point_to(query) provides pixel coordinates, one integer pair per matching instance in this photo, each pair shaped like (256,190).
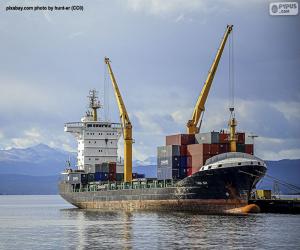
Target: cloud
(181,7)
(282,154)
(290,110)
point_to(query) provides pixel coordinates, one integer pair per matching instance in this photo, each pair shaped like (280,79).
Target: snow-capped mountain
(37,160)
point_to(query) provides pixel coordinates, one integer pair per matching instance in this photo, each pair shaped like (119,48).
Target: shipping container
(223,137)
(182,173)
(183,161)
(103,167)
(112,167)
(140,176)
(223,148)
(119,176)
(91,177)
(175,174)
(84,179)
(74,178)
(180,139)
(240,148)
(207,138)
(241,138)
(112,176)
(168,151)
(249,149)
(172,162)
(197,161)
(183,150)
(198,149)
(214,149)
(101,176)
(164,173)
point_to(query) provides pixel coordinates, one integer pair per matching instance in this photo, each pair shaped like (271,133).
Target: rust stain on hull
(233,206)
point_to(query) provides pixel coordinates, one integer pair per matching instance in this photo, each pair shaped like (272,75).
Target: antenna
(94,103)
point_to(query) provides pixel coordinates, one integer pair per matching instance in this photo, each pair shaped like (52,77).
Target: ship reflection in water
(160,230)
(47,222)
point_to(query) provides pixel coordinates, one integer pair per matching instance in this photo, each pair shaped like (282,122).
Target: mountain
(39,160)
(282,172)
(35,170)
(152,160)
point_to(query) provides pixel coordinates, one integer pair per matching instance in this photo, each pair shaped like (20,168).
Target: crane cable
(281,182)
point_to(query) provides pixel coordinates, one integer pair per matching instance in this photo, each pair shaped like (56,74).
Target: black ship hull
(223,190)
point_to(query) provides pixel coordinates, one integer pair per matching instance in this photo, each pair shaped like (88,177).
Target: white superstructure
(97,140)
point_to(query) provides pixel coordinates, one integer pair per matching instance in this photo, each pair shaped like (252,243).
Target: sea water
(48,222)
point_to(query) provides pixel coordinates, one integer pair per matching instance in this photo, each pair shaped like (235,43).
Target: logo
(283,9)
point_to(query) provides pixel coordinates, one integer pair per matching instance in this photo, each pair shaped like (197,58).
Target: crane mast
(192,125)
(126,125)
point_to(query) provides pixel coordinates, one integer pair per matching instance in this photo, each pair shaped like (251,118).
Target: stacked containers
(180,139)
(198,153)
(102,171)
(168,162)
(192,151)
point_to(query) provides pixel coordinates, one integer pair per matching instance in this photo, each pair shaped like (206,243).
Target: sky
(160,52)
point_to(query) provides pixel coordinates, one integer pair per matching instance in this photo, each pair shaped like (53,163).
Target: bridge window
(89,125)
(239,163)
(258,163)
(220,165)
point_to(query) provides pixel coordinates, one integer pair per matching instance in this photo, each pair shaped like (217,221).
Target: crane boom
(126,125)
(192,125)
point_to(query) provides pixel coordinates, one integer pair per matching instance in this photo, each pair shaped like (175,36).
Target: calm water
(47,222)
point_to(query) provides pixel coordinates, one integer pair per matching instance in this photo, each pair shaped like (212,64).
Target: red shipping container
(180,139)
(112,167)
(223,137)
(112,176)
(249,149)
(183,150)
(223,148)
(214,149)
(198,149)
(241,138)
(189,162)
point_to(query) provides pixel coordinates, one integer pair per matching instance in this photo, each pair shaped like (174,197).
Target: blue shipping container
(183,162)
(101,176)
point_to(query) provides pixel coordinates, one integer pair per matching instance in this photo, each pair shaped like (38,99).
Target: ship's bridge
(97,142)
(77,127)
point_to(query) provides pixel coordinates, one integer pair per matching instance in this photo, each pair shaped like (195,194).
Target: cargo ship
(200,172)
(221,185)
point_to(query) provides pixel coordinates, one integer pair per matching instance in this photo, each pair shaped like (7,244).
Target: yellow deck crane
(192,125)
(126,126)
